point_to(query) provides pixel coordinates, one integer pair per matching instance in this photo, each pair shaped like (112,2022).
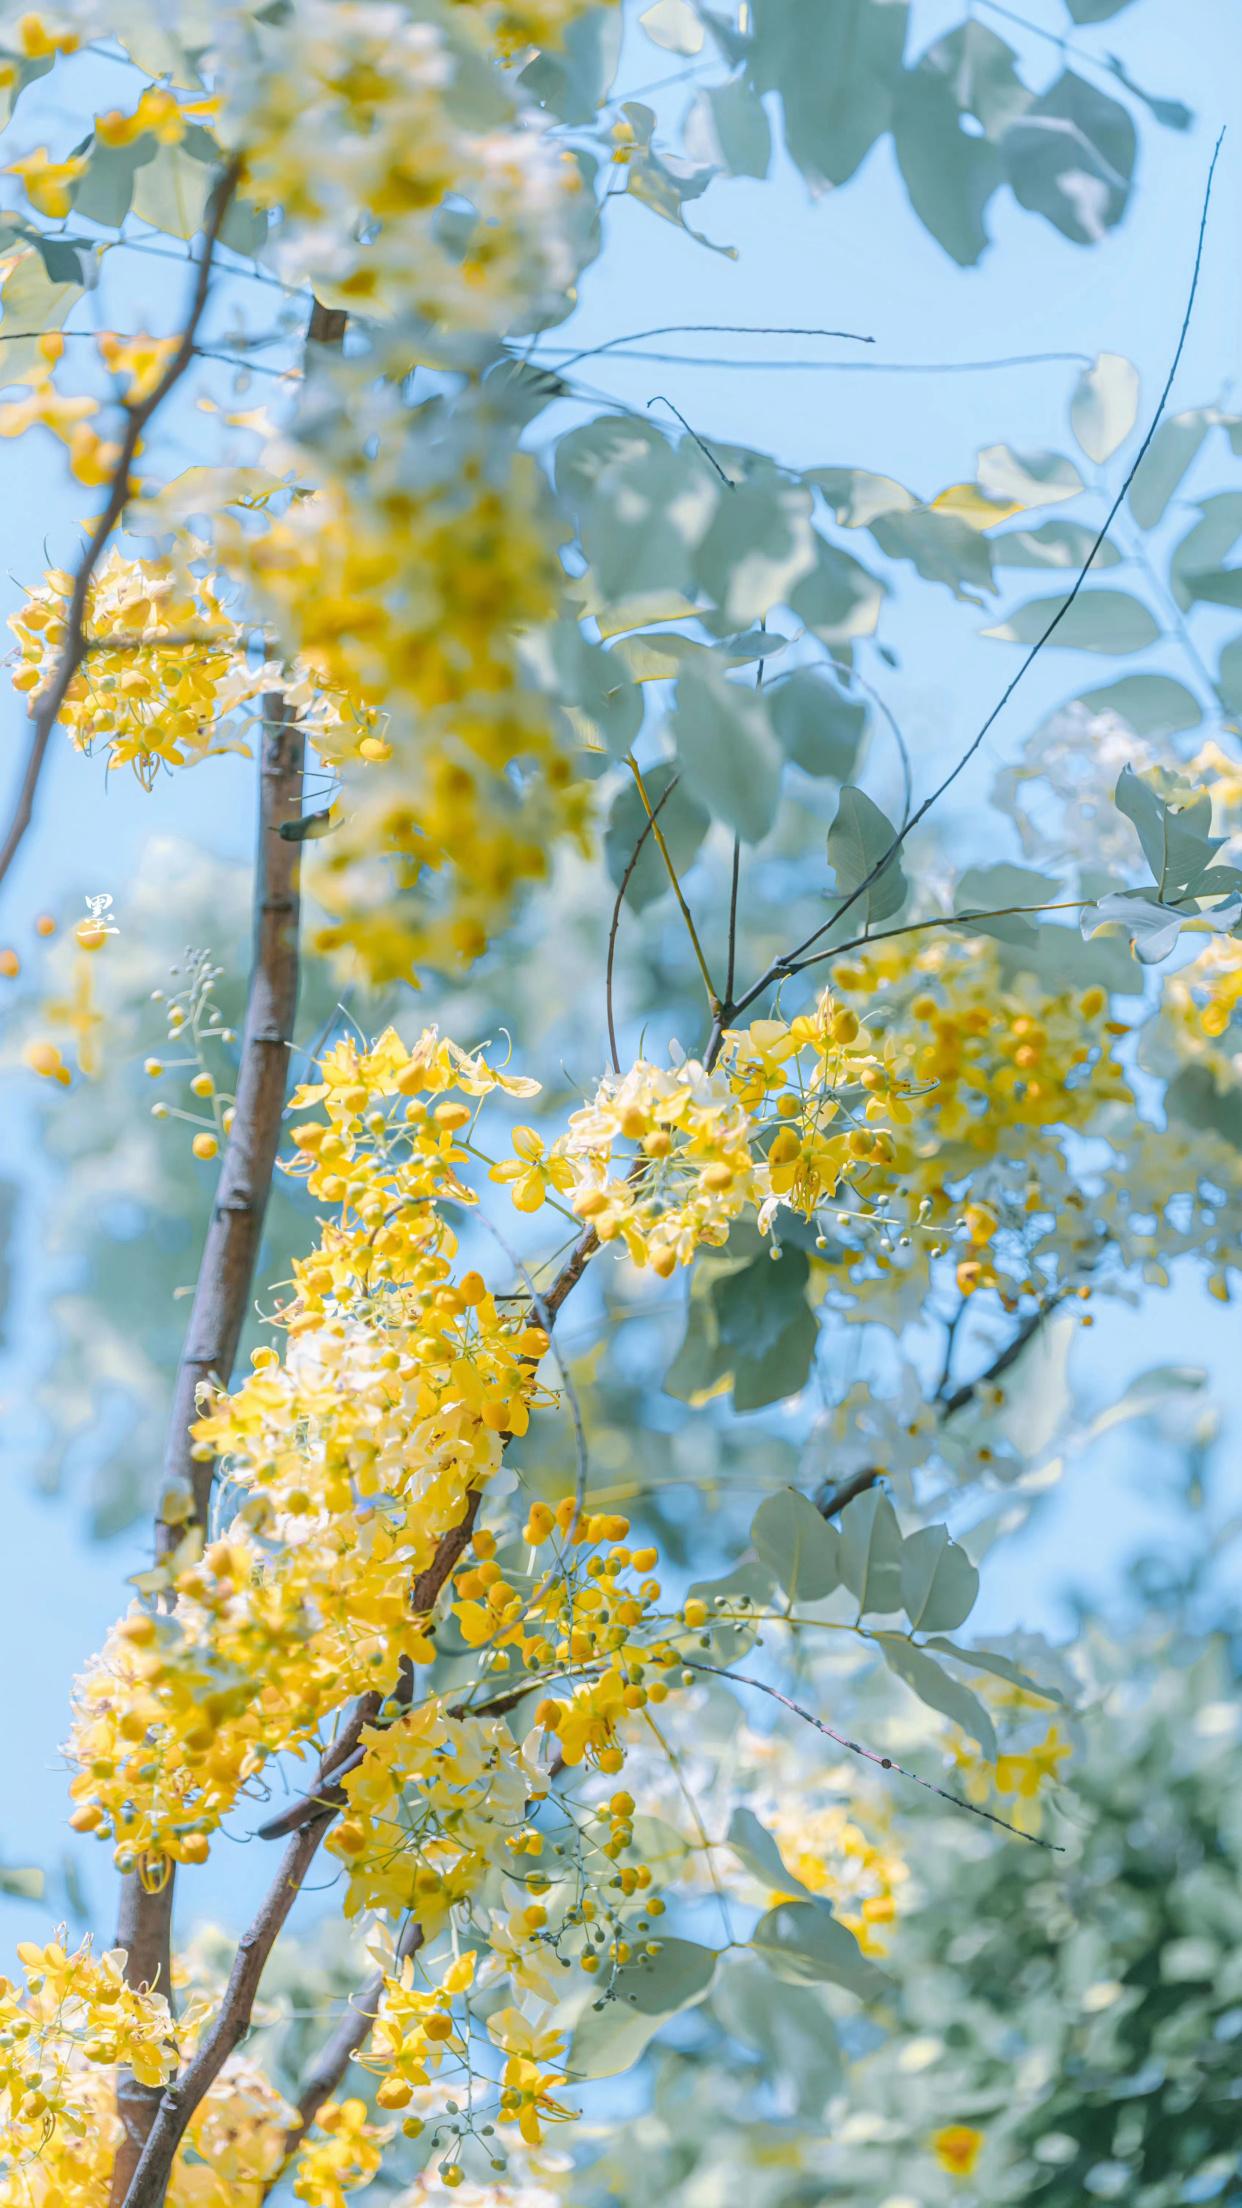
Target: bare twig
(179,2099)
(137,418)
(544,1316)
(678,892)
(885,1763)
(1008,1356)
(624,884)
(705,329)
(692,433)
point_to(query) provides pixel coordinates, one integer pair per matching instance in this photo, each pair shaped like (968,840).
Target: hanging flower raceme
(409,177)
(165,679)
(405,590)
(353,1457)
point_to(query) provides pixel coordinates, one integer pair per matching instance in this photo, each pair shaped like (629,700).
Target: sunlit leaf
(1104,407)
(871,1553)
(859,842)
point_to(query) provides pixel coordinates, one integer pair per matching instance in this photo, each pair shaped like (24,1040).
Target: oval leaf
(803,1942)
(804,1553)
(939,1583)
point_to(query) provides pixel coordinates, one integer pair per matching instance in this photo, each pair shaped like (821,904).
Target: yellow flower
(49,184)
(957,2148)
(531,1174)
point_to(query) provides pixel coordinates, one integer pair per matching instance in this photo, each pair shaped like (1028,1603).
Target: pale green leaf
(816,725)
(870,1551)
(1000,1667)
(933,1686)
(835,69)
(1154,705)
(949,174)
(857,497)
(1070,158)
(728,754)
(858,841)
(754,1846)
(1027,478)
(1097,621)
(1053,544)
(643,1997)
(758,545)
(1104,407)
(1164,463)
(804,1552)
(728,127)
(803,1942)
(683,824)
(674,25)
(938,1581)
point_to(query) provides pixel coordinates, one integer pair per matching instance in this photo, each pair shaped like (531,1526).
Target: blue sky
(859,260)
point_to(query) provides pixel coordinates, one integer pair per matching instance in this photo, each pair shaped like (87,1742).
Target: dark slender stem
(731,956)
(856,1748)
(324,2074)
(1001,1363)
(626,879)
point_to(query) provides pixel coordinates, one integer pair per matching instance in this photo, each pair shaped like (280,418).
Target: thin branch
(828,367)
(345,1753)
(851,674)
(624,884)
(830,1500)
(734,883)
(678,892)
(708,454)
(137,418)
(179,2099)
(705,329)
(1008,1356)
(885,1763)
(791,961)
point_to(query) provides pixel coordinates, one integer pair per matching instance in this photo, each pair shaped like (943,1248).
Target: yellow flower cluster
(359,126)
(981,1052)
(436,1800)
(403,590)
(342,2154)
(62,2035)
(517,24)
(353,1458)
(159,114)
(165,678)
(62,2039)
(792,1110)
(1202,999)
